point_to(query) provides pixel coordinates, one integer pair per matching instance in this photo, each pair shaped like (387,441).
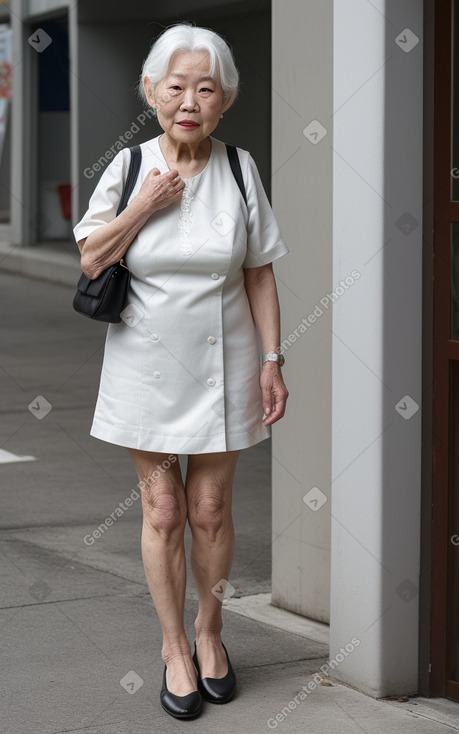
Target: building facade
(359,159)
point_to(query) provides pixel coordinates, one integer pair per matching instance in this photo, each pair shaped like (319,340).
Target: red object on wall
(64,191)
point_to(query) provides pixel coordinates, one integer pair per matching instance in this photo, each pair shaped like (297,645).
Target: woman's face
(188,102)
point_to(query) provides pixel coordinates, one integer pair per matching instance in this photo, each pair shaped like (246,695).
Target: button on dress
(181,371)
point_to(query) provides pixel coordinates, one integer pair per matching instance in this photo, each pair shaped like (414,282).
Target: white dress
(181,370)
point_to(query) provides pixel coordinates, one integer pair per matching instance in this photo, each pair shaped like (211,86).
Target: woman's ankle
(209,634)
(175,649)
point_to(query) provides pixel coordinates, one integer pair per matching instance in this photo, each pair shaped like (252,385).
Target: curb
(43,262)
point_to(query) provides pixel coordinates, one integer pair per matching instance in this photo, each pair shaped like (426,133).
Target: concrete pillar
(376,408)
(20,147)
(349,447)
(302,108)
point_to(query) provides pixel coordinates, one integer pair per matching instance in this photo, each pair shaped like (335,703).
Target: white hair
(189,38)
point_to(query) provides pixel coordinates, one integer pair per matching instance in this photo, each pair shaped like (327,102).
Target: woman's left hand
(274,392)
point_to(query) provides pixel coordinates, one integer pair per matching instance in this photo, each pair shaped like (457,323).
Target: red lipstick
(192,124)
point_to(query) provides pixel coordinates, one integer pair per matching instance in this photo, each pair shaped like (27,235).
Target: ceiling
(108,11)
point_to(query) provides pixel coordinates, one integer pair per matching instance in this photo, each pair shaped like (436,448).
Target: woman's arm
(108,244)
(261,290)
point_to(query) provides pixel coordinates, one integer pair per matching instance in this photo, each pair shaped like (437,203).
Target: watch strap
(273,357)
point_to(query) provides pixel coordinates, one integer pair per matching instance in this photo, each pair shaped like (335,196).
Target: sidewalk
(79,636)
(56,261)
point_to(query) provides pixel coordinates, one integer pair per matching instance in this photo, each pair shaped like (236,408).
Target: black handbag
(105,297)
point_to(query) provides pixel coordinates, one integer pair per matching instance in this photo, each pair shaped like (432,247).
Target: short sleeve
(264,239)
(105,199)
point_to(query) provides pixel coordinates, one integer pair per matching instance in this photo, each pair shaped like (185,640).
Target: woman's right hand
(158,190)
(106,245)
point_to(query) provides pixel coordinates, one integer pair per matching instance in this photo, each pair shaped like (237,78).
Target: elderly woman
(183,374)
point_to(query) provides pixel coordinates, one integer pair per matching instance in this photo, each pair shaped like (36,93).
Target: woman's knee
(209,509)
(162,490)
(163,508)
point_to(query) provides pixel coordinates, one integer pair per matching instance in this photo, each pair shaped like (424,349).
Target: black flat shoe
(216,690)
(182,707)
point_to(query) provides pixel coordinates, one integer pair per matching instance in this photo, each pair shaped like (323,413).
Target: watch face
(282,360)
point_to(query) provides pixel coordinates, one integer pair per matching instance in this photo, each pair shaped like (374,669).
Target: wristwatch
(273,357)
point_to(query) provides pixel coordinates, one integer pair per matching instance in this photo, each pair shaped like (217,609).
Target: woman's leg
(208,489)
(163,553)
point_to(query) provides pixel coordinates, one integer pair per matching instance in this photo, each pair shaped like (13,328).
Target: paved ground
(79,636)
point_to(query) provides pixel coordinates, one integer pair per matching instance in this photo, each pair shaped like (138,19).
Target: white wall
(302,201)
(376,450)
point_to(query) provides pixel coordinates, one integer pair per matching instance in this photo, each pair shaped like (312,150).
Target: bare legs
(209,493)
(163,554)
(205,501)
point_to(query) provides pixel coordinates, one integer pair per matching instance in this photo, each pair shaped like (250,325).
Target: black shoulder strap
(131,178)
(236,169)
